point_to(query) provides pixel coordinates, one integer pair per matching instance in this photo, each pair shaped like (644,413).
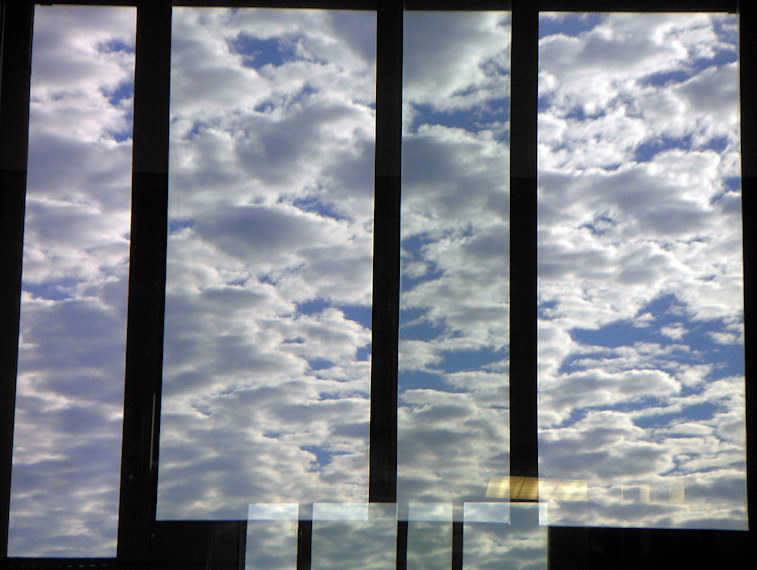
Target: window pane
(272,535)
(641,373)
(354,536)
(453,379)
(69,404)
(521,544)
(268,300)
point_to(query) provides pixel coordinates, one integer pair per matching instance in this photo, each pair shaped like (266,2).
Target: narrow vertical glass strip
(67,438)
(454,331)
(641,341)
(268,296)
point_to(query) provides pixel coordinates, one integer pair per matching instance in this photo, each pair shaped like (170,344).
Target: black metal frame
(144,542)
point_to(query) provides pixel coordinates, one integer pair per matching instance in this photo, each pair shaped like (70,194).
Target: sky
(641,375)
(268,298)
(453,359)
(69,404)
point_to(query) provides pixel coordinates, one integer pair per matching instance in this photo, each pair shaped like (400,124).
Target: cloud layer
(640,274)
(67,440)
(453,421)
(267,339)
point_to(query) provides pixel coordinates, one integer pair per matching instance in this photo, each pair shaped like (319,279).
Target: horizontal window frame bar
(18,562)
(643,6)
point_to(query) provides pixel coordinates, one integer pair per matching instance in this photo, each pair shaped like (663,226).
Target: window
(266,371)
(640,278)
(143,540)
(67,436)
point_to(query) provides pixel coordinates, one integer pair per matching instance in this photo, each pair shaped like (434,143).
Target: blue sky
(267,340)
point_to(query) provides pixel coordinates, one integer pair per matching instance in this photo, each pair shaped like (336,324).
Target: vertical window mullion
(16,37)
(523,303)
(386,239)
(748,101)
(147,277)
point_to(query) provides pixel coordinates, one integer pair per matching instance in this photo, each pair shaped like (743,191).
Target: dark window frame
(145,542)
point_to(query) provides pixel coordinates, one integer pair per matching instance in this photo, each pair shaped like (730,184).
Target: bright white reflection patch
(641,354)
(454,310)
(268,296)
(69,400)
(340,512)
(274,512)
(430,512)
(486,513)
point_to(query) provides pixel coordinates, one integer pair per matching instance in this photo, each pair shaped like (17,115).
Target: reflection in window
(521,544)
(354,536)
(429,535)
(641,374)
(453,380)
(272,535)
(67,439)
(268,296)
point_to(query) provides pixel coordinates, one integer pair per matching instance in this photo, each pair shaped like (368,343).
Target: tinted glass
(453,379)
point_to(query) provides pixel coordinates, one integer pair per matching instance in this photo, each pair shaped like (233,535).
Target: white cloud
(476,55)
(267,334)
(68,422)
(640,268)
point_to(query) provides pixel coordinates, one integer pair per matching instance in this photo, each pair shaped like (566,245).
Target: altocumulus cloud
(268,298)
(67,441)
(640,269)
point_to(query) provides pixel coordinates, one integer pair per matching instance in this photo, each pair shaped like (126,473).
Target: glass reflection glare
(519,545)
(641,355)
(365,535)
(271,544)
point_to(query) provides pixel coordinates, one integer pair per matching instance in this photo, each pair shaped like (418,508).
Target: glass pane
(453,379)
(641,372)
(354,536)
(521,544)
(268,300)
(272,536)
(69,403)
(429,535)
